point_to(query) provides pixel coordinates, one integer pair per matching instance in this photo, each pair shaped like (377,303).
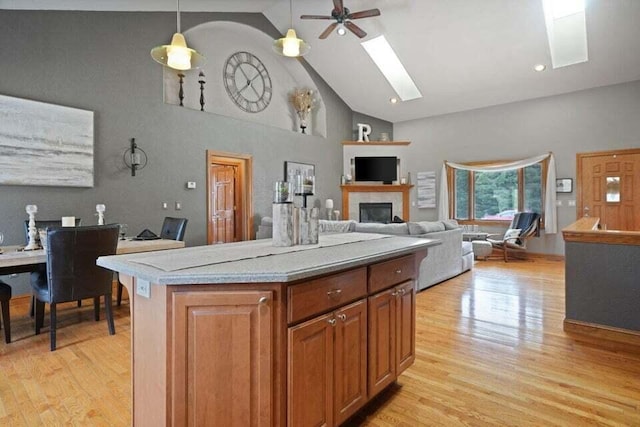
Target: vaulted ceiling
(462,54)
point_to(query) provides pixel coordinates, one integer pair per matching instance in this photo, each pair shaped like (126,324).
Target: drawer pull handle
(332,322)
(342,317)
(334,292)
(402,291)
(263,300)
(394,293)
(398,271)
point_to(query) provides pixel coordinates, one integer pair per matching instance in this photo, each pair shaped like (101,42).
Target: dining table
(14,259)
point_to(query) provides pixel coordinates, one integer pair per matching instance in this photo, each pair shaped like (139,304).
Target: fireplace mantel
(347,189)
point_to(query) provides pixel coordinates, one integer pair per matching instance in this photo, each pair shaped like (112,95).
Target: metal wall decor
(202,82)
(247,82)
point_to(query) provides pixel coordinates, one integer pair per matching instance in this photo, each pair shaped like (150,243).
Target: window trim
(498,222)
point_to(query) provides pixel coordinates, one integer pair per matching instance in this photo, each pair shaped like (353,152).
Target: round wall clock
(247,82)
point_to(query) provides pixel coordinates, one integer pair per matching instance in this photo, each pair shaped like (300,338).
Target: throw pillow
(423,227)
(511,233)
(450,224)
(326,226)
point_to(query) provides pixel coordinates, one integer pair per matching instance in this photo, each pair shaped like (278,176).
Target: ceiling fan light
(341,31)
(177,55)
(291,45)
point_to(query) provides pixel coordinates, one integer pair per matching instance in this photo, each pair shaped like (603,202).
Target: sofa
(452,257)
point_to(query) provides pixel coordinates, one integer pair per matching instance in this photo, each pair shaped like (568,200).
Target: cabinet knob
(402,291)
(398,271)
(332,322)
(342,317)
(263,300)
(394,293)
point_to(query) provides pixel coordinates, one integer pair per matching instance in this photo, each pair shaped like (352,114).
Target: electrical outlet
(143,288)
(178,206)
(191,185)
(165,205)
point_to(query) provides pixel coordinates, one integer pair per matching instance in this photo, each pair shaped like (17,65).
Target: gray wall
(100,61)
(586,121)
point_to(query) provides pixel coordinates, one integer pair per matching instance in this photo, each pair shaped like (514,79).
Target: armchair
(523,226)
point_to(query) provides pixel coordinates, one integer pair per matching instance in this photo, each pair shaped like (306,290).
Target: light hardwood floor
(490,351)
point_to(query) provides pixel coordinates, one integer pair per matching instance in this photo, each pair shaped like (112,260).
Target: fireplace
(376,212)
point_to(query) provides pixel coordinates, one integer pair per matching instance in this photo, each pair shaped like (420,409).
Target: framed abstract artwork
(45,144)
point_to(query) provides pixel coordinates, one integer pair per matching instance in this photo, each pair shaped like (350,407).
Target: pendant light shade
(291,45)
(177,55)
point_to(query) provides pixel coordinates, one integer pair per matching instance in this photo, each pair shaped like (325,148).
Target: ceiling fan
(343,18)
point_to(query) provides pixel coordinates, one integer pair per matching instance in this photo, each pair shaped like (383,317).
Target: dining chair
(523,226)
(5,296)
(72,274)
(172,229)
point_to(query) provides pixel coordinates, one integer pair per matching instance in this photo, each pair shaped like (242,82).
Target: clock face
(247,82)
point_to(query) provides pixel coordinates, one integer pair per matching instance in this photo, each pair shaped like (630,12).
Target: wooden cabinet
(327,367)
(391,334)
(222,338)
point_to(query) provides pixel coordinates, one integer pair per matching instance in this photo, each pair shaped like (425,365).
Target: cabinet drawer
(389,273)
(316,296)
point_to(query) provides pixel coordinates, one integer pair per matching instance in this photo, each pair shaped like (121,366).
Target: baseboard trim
(610,333)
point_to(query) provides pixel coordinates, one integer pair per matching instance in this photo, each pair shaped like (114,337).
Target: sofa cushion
(423,227)
(450,224)
(327,226)
(467,247)
(375,227)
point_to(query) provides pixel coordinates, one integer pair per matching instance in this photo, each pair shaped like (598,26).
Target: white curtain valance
(550,222)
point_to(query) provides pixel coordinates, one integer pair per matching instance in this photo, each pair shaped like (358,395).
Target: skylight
(390,66)
(566,31)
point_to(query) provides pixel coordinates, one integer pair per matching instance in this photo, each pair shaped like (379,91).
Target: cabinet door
(382,327)
(310,375)
(350,390)
(405,326)
(222,358)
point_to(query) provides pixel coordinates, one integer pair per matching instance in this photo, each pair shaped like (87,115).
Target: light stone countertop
(273,268)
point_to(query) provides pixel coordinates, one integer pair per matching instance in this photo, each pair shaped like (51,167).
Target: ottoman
(482,248)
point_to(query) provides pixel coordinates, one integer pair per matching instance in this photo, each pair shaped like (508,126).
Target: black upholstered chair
(72,273)
(44,224)
(173,228)
(5,296)
(523,226)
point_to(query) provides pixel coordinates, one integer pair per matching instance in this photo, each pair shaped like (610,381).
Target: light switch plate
(143,288)
(165,205)
(572,203)
(178,206)
(191,184)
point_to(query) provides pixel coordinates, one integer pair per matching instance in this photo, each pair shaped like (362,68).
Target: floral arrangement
(303,102)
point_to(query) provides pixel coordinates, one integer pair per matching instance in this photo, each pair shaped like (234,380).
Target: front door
(609,188)
(223,197)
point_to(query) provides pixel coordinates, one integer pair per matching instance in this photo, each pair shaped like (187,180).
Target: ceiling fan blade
(355,29)
(316,17)
(326,32)
(338,6)
(364,14)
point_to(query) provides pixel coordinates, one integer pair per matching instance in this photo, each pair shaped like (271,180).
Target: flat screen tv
(383,169)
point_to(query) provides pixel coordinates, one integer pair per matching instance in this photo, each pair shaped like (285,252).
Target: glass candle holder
(282,192)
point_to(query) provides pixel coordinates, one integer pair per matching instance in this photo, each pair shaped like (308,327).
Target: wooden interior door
(609,188)
(223,185)
(229,197)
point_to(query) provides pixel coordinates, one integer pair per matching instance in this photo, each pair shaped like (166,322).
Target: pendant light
(177,55)
(291,45)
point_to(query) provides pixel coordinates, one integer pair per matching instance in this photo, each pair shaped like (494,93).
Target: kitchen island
(249,334)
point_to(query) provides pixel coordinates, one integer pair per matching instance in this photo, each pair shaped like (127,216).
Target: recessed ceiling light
(539,67)
(393,100)
(390,66)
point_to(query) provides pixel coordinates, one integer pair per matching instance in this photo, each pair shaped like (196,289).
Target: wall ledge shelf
(376,143)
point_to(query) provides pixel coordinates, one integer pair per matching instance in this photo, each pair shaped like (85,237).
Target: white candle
(68,221)
(328,204)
